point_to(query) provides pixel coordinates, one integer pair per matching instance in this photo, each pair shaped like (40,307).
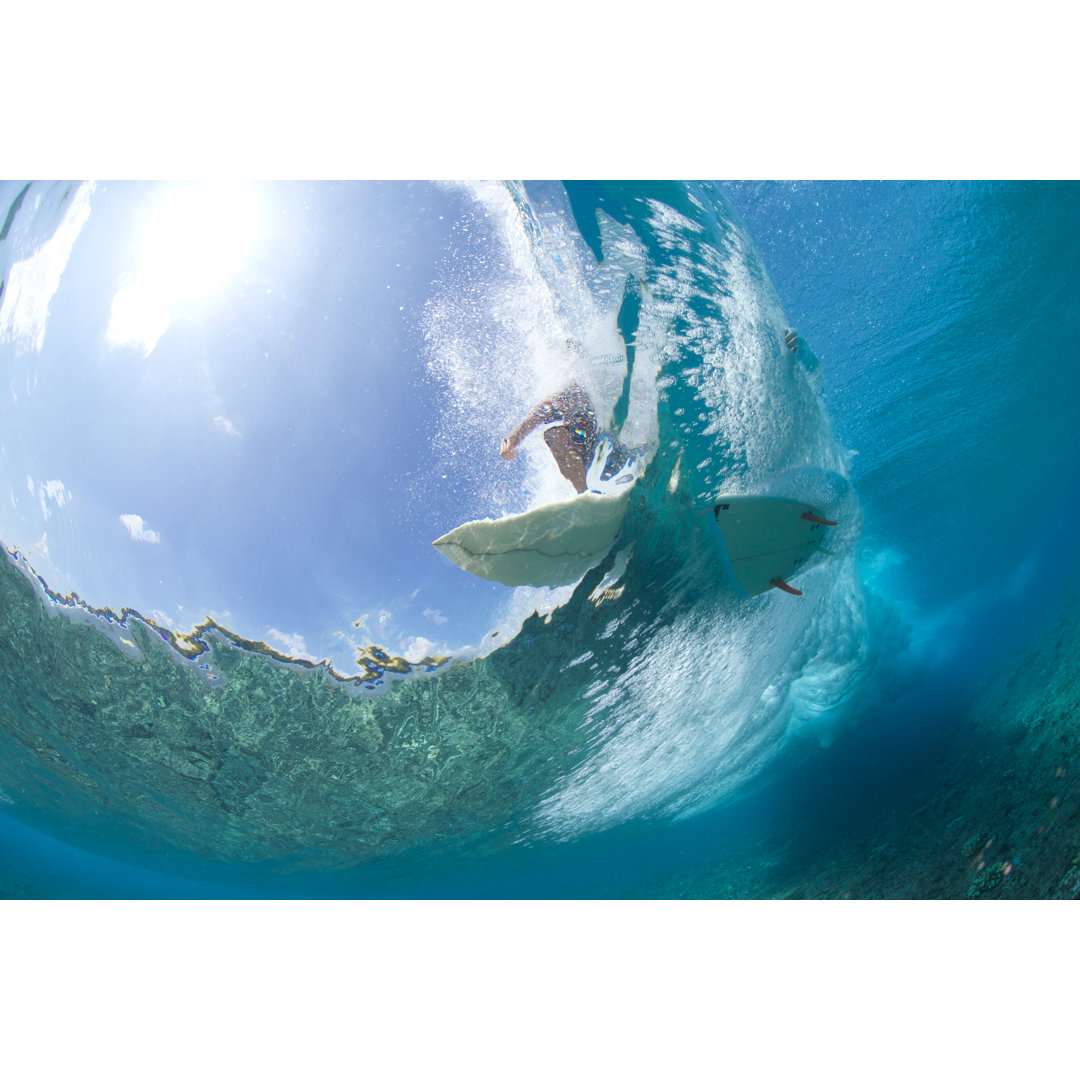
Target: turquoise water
(655,729)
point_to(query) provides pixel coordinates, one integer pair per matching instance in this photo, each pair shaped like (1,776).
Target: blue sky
(224,406)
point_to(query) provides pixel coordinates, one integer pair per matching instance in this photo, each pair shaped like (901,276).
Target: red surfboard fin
(780,583)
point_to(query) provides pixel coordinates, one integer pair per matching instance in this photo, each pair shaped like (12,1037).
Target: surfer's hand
(507,449)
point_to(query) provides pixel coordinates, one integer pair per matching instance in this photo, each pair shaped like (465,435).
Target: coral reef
(265,764)
(1004,767)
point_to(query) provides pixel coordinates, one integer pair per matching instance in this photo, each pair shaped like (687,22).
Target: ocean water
(234,667)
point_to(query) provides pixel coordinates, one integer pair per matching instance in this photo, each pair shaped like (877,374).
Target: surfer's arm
(544,413)
(801,351)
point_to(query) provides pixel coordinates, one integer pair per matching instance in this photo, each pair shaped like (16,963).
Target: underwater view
(540,540)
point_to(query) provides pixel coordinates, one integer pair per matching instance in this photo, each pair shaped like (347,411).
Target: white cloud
(226,425)
(50,491)
(372,619)
(55,491)
(136,527)
(416,648)
(436,616)
(293,644)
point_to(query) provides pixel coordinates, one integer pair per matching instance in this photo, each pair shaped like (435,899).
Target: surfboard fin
(817,520)
(783,586)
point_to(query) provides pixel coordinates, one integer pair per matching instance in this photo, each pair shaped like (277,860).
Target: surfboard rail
(550,545)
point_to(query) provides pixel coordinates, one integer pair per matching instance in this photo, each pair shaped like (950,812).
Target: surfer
(572,442)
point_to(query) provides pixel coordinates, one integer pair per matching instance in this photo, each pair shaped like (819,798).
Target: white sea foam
(32,281)
(497,342)
(706,701)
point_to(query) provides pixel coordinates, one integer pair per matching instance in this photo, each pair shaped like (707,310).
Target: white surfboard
(550,545)
(768,539)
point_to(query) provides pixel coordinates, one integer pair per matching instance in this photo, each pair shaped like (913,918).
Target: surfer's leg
(564,449)
(617,458)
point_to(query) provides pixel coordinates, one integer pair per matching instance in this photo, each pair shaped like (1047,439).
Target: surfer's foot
(622,457)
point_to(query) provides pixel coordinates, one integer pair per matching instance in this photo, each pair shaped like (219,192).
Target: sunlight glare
(197,238)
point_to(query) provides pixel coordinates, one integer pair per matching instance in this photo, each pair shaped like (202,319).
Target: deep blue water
(943,317)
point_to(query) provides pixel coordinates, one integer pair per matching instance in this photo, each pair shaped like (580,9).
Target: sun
(194,240)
